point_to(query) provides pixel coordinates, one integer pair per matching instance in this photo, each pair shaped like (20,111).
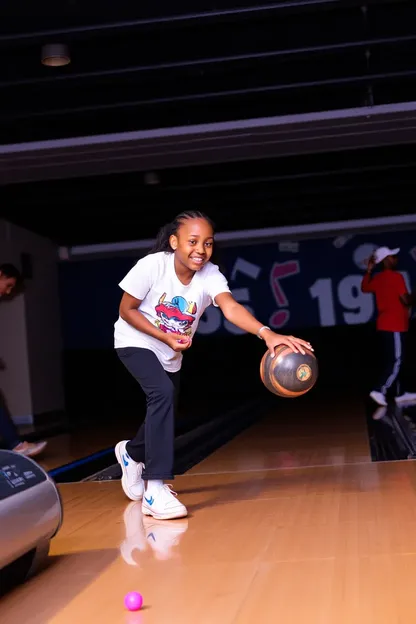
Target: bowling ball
(289,374)
(133,601)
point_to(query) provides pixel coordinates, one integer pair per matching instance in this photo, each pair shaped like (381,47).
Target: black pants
(393,345)
(154,442)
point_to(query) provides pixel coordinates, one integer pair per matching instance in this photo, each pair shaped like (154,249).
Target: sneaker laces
(168,487)
(139,471)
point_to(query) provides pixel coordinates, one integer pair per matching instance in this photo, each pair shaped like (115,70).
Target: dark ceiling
(139,68)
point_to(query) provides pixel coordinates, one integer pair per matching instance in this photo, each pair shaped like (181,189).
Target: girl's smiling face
(193,243)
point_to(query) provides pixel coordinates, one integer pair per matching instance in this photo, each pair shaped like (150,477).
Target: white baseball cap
(382,252)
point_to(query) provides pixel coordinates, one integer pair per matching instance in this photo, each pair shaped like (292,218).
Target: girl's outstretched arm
(242,318)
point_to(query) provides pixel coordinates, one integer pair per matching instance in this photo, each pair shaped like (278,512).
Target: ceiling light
(55,55)
(151,178)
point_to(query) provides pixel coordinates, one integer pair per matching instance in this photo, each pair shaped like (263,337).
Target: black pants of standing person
(153,444)
(393,347)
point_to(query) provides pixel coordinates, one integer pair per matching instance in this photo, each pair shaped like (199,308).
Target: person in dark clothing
(10,279)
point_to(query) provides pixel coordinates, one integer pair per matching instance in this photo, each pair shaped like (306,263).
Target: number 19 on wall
(358,307)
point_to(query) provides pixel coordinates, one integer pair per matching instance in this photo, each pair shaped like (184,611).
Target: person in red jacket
(393,303)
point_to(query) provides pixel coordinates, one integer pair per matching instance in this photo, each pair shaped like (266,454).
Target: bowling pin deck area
(300,518)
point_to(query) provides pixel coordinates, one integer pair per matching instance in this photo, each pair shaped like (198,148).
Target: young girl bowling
(165,295)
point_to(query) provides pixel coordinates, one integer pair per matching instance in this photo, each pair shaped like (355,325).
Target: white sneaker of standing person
(160,502)
(406,397)
(378,397)
(131,481)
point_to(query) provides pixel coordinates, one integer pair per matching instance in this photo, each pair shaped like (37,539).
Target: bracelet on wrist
(260,330)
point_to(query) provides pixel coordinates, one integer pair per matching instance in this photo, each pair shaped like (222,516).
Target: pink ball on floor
(133,601)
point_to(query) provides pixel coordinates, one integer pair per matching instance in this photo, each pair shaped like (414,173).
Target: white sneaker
(30,449)
(378,397)
(131,481)
(407,397)
(162,504)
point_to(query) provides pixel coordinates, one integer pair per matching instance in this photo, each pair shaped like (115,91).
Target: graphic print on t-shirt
(176,316)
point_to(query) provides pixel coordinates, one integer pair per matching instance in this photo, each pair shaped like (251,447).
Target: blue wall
(313,283)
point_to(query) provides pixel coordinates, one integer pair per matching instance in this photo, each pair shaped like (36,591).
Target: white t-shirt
(167,303)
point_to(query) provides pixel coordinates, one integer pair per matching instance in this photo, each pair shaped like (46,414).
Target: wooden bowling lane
(299,433)
(319,544)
